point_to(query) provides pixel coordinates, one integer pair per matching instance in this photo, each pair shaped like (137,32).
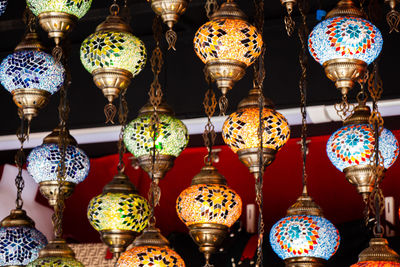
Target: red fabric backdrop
(282,185)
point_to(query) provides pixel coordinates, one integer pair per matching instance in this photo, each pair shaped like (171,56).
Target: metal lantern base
(249,157)
(17,217)
(57,248)
(304,262)
(117,240)
(49,189)
(169,10)
(57,24)
(162,165)
(30,100)
(362,177)
(379,250)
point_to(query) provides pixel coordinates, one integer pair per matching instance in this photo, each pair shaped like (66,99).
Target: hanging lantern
(3,6)
(31,75)
(58,17)
(344,44)
(378,254)
(240,132)
(151,248)
(56,254)
(227,44)
(351,149)
(20,242)
(169,10)
(208,207)
(119,213)
(113,56)
(43,165)
(304,237)
(171,140)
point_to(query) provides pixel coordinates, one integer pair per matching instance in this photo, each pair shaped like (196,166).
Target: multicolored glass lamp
(304,237)
(20,242)
(44,160)
(113,56)
(58,17)
(227,44)
(172,139)
(208,207)
(378,254)
(240,131)
(344,44)
(3,6)
(31,75)
(119,213)
(351,149)
(151,248)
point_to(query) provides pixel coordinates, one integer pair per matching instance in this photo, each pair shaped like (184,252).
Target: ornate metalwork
(393,16)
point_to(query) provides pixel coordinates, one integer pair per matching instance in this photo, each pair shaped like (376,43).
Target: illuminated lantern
(378,254)
(3,6)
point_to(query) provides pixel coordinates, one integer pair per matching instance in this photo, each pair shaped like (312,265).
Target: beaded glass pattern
(149,256)
(43,161)
(345,37)
(55,262)
(78,8)
(109,49)
(172,138)
(118,211)
(19,245)
(3,6)
(376,264)
(31,69)
(304,236)
(354,145)
(233,39)
(209,204)
(240,130)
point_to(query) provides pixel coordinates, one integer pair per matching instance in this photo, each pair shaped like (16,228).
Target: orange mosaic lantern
(378,254)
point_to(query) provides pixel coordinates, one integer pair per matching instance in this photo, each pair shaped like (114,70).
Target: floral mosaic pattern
(42,163)
(149,256)
(31,69)
(20,245)
(376,264)
(77,8)
(3,6)
(345,37)
(228,39)
(240,130)
(172,139)
(304,236)
(118,211)
(109,49)
(209,204)
(354,145)
(55,262)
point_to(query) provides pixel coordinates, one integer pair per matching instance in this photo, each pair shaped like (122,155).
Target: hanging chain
(122,118)
(343,108)
(210,104)
(393,16)
(19,161)
(210,6)
(289,22)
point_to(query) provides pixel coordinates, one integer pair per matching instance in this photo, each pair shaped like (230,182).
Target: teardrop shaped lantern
(304,237)
(119,213)
(351,148)
(240,131)
(208,208)
(172,139)
(44,160)
(58,17)
(345,43)
(378,254)
(3,6)
(113,55)
(227,44)
(151,248)
(31,75)
(20,242)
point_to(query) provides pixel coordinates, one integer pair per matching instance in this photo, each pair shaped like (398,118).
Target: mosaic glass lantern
(227,44)
(3,6)
(113,56)
(345,43)
(378,254)
(172,139)
(240,131)
(351,148)
(119,213)
(20,242)
(58,17)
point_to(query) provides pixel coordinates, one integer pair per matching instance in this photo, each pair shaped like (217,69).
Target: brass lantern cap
(114,23)
(249,157)
(289,4)
(17,217)
(360,115)
(346,8)
(111,81)
(208,236)
(162,165)
(57,24)
(49,189)
(55,137)
(362,177)
(304,262)
(378,250)
(209,175)
(304,205)
(30,100)
(251,101)
(117,240)
(151,236)
(163,108)
(169,10)
(229,10)
(57,248)
(30,42)
(120,184)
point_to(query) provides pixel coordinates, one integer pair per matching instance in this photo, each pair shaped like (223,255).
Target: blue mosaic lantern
(3,6)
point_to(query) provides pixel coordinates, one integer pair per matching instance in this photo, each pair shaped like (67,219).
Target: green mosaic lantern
(113,56)
(171,141)
(58,17)
(119,213)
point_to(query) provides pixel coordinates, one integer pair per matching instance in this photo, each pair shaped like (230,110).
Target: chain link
(343,108)
(122,118)
(209,104)
(22,135)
